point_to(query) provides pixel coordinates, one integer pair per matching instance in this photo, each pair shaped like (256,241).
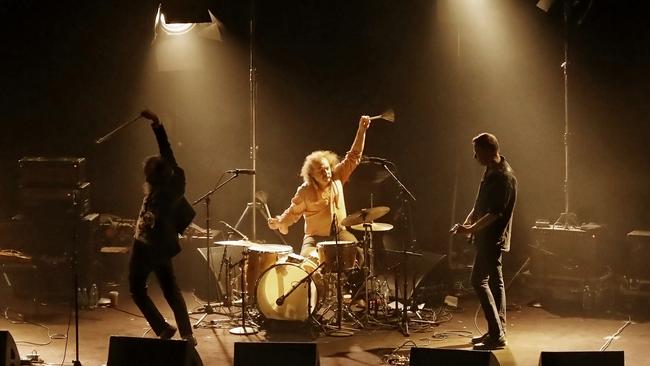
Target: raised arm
(161,137)
(345,168)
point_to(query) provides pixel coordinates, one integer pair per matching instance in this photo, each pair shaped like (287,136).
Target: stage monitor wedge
(276,354)
(582,358)
(8,350)
(136,351)
(441,356)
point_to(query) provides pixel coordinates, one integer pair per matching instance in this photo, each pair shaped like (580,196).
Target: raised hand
(364,122)
(150,116)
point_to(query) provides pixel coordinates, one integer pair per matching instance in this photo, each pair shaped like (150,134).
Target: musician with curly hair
(320,199)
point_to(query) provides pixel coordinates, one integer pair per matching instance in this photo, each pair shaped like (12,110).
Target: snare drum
(260,258)
(279,279)
(327,252)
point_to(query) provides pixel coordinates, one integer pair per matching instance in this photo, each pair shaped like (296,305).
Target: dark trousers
(487,280)
(141,265)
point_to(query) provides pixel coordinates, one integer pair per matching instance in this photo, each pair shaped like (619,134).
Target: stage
(530,331)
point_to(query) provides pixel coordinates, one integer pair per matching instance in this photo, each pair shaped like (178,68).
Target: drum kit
(279,285)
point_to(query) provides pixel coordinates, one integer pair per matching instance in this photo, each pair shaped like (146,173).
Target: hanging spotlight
(175,29)
(179,21)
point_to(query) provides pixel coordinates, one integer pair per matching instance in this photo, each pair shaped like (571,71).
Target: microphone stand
(407,199)
(75,271)
(308,279)
(207,309)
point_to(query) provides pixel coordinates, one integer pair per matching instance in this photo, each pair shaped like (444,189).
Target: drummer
(319,199)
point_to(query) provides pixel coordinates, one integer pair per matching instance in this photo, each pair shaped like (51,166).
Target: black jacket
(165,212)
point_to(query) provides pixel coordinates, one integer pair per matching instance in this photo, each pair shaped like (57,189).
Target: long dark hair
(157,172)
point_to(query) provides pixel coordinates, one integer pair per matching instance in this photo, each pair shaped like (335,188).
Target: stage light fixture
(179,22)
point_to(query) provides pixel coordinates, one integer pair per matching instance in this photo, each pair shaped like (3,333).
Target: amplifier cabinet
(38,171)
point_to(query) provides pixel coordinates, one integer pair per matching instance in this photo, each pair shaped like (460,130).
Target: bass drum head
(277,281)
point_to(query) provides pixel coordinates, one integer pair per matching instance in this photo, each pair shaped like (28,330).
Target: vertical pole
(565,67)
(253,116)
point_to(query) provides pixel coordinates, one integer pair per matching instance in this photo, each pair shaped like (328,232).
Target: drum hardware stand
(339,296)
(225,262)
(368,271)
(208,308)
(243,330)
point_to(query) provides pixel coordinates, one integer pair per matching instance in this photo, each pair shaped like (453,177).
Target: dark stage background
(73,70)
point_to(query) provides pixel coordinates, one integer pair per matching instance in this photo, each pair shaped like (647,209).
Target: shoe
(191,340)
(491,344)
(479,339)
(168,332)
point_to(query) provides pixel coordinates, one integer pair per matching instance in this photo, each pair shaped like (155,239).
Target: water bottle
(93,298)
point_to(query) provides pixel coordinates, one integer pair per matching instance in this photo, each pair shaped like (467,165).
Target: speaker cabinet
(8,351)
(439,356)
(135,351)
(582,358)
(276,354)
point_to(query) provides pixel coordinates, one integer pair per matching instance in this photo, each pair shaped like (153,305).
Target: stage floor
(530,330)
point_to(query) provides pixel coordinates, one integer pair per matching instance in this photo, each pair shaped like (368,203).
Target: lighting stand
(567,219)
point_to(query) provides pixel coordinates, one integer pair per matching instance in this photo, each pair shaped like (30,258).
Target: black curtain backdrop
(73,70)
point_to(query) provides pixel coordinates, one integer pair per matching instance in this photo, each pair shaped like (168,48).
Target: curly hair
(305,171)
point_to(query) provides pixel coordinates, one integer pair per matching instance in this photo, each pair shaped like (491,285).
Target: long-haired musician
(320,199)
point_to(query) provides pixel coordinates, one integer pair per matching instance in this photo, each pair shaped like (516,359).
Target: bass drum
(278,280)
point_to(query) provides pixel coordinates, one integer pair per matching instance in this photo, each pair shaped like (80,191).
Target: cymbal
(235,243)
(375,226)
(365,215)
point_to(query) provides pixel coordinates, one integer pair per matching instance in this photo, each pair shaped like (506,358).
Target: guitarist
(489,225)
(164,214)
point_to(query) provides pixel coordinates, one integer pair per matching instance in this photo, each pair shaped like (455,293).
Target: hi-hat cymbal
(374,226)
(365,215)
(235,243)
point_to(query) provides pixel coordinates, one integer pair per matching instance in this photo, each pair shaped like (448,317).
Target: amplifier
(66,196)
(568,252)
(51,171)
(637,252)
(49,200)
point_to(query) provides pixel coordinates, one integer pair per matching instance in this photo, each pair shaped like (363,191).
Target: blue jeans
(487,280)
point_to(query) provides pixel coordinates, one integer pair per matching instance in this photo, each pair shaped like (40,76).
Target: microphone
(280,300)
(234,230)
(374,159)
(241,171)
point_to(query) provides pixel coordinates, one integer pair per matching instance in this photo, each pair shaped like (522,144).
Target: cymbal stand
(368,271)
(243,330)
(225,263)
(339,331)
(407,198)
